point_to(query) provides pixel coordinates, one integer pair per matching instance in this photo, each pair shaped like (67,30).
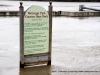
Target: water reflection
(44,70)
(40,70)
(81,18)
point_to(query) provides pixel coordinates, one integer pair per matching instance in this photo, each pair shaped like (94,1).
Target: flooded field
(75,47)
(75,44)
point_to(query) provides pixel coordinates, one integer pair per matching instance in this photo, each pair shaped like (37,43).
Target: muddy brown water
(75,47)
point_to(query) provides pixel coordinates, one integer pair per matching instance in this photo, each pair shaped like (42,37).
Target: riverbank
(70,9)
(72,13)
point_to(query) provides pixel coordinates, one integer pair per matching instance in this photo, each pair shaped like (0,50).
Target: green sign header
(36,31)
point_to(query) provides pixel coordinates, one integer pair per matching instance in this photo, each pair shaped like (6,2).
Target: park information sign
(36,31)
(35,35)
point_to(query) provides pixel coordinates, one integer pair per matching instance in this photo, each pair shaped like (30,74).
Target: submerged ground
(75,44)
(75,47)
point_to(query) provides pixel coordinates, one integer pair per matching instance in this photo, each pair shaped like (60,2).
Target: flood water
(75,42)
(75,47)
(57,6)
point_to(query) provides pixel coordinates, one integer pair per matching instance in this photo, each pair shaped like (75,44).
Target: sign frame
(27,60)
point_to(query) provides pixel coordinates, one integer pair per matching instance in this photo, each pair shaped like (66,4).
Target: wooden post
(50,32)
(21,10)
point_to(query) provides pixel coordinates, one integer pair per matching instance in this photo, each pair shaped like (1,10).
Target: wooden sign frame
(34,59)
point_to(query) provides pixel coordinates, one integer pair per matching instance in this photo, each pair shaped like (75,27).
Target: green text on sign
(36,31)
